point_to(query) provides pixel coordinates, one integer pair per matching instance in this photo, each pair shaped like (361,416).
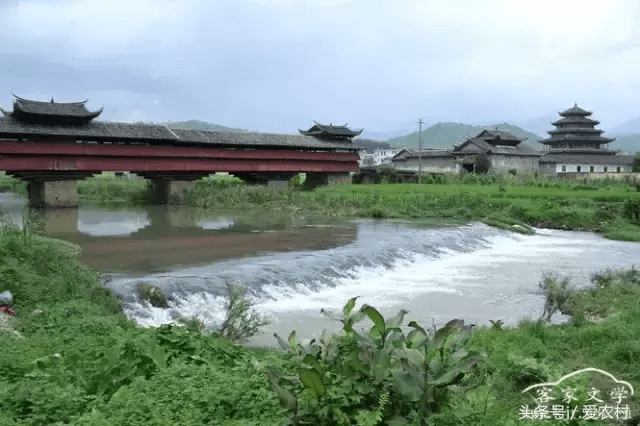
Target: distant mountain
(383,136)
(628,143)
(630,127)
(202,125)
(444,135)
(540,125)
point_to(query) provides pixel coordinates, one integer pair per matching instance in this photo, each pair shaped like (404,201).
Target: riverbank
(509,202)
(71,356)
(516,203)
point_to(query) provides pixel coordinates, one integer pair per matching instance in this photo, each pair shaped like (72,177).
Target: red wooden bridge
(51,145)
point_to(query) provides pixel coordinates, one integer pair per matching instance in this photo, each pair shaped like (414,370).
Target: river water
(293,267)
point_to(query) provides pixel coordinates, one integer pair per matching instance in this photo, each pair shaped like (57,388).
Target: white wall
(586,168)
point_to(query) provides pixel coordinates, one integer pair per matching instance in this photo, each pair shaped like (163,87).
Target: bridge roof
(154,134)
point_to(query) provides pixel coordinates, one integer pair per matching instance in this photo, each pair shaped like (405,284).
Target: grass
(70,356)
(516,203)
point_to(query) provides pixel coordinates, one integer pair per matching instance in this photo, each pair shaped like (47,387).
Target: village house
(504,151)
(433,160)
(575,146)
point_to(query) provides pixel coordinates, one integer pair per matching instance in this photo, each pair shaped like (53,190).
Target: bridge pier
(164,191)
(60,193)
(315,180)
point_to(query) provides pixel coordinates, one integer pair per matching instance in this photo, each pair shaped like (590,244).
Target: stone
(152,294)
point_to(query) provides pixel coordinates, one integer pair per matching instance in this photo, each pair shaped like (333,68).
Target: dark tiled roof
(27,110)
(576,119)
(575,110)
(573,138)
(160,135)
(575,130)
(499,136)
(585,158)
(481,144)
(424,153)
(320,130)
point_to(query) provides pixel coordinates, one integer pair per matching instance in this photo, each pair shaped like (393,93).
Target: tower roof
(575,110)
(330,131)
(51,112)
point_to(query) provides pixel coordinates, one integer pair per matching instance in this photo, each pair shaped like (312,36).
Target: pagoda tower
(51,113)
(331,132)
(576,132)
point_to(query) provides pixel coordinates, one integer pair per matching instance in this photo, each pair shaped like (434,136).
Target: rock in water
(152,294)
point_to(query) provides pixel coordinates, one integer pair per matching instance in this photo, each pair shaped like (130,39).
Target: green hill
(202,125)
(444,135)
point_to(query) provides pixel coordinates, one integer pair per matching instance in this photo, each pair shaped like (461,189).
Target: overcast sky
(277,65)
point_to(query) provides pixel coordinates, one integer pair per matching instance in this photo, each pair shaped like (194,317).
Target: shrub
(241,321)
(557,291)
(383,375)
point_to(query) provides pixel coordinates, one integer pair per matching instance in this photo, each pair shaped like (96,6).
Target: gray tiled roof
(615,160)
(575,110)
(576,119)
(424,153)
(158,134)
(22,107)
(474,145)
(322,129)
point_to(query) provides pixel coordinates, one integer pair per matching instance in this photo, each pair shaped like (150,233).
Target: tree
(482,163)
(636,163)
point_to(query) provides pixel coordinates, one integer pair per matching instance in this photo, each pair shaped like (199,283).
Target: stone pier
(165,191)
(60,193)
(315,180)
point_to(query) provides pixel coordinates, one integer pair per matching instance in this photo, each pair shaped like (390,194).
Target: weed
(241,321)
(556,290)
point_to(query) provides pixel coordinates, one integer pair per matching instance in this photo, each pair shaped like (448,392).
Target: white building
(379,155)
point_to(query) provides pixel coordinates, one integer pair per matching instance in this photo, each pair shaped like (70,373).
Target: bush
(557,291)
(383,375)
(241,321)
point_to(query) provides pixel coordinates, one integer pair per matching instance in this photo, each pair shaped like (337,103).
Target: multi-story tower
(575,130)
(575,146)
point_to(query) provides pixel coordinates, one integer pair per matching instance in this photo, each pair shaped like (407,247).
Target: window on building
(579,168)
(564,168)
(591,169)
(618,169)
(605,169)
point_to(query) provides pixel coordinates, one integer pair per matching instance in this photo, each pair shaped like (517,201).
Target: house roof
(322,130)
(424,153)
(575,110)
(50,112)
(499,137)
(489,141)
(614,160)
(160,135)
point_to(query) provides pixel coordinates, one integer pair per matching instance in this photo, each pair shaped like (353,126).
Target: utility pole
(420,154)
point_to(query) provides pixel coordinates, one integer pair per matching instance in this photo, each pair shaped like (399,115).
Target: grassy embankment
(71,357)
(609,207)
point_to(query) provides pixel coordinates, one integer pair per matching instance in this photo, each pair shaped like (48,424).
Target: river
(294,266)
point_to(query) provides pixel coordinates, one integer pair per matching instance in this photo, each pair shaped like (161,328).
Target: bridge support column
(315,180)
(277,183)
(60,193)
(165,191)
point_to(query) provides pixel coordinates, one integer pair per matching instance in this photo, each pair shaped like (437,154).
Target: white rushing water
(473,272)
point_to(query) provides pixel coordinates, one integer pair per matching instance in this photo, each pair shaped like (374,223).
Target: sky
(278,65)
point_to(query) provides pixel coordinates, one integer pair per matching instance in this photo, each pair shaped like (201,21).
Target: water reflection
(150,239)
